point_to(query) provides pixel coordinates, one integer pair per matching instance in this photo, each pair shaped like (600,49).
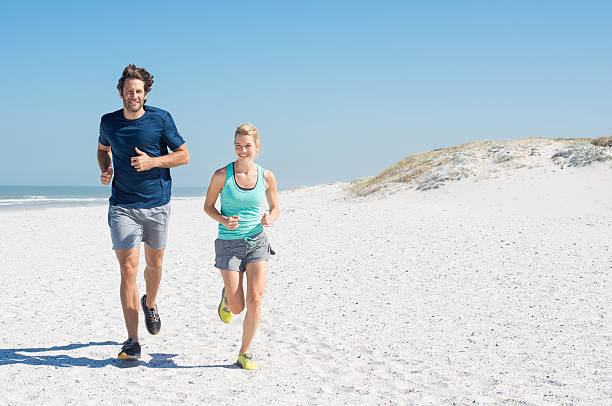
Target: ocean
(36,197)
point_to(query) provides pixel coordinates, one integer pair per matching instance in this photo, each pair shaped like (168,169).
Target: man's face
(133,95)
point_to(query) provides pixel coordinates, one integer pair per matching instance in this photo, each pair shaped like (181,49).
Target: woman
(242,246)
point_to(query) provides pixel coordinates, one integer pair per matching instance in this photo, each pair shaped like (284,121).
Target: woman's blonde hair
(248,129)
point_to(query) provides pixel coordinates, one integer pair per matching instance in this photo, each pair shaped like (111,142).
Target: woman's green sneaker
(224,313)
(246,361)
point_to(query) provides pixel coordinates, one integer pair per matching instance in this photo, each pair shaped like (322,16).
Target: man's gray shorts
(129,227)
(234,255)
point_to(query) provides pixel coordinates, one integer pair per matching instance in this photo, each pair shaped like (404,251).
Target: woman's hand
(231,223)
(266,220)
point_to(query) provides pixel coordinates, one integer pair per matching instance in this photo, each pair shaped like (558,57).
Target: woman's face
(245,147)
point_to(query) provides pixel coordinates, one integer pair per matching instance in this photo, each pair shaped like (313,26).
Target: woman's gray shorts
(129,227)
(234,255)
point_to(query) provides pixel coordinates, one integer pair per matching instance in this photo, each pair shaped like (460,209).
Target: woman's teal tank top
(244,203)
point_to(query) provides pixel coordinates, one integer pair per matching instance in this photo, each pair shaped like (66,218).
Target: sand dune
(486,160)
(489,290)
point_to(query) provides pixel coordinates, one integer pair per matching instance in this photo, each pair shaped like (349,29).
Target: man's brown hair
(132,72)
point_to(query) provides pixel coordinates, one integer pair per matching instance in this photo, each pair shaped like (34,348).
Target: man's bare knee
(154,259)
(128,275)
(129,270)
(157,268)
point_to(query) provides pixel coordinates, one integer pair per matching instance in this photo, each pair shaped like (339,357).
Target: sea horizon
(37,197)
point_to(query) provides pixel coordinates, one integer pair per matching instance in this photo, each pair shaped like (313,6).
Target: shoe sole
(125,357)
(143,304)
(246,369)
(220,306)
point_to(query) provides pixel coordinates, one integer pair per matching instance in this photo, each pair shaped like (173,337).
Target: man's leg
(155,234)
(128,263)
(153,273)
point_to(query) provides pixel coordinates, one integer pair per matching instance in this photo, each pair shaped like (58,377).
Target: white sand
(492,291)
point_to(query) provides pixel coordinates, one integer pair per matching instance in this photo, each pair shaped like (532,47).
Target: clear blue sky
(338,90)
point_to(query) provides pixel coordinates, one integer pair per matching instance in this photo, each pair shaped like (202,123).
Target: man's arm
(105,163)
(178,157)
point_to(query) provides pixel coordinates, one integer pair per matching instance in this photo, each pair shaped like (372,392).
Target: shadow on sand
(33,356)
(164,361)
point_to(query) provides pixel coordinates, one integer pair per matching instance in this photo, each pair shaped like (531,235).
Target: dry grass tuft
(602,142)
(404,171)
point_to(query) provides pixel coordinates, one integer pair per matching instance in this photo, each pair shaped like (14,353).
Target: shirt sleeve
(102,138)
(171,135)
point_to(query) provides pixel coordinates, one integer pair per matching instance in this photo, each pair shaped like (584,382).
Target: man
(133,147)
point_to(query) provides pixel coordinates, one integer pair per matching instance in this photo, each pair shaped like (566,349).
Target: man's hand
(106,177)
(142,162)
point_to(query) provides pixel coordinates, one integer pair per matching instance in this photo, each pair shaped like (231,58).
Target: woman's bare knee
(254,302)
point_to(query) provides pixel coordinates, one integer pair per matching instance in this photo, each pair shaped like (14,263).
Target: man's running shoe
(130,350)
(246,361)
(152,319)
(224,313)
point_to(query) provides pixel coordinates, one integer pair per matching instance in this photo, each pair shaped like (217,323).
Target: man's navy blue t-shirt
(153,134)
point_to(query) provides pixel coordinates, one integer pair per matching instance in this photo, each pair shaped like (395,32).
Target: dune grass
(602,142)
(403,171)
(410,168)
(425,171)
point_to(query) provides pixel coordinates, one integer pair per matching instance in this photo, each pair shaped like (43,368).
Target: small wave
(186,197)
(41,200)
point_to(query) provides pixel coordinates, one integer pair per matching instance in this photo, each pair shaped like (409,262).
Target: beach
(488,291)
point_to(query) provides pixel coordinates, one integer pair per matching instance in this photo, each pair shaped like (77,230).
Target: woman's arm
(212,194)
(272,195)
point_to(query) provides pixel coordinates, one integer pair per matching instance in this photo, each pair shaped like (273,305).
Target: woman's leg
(234,292)
(257,273)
